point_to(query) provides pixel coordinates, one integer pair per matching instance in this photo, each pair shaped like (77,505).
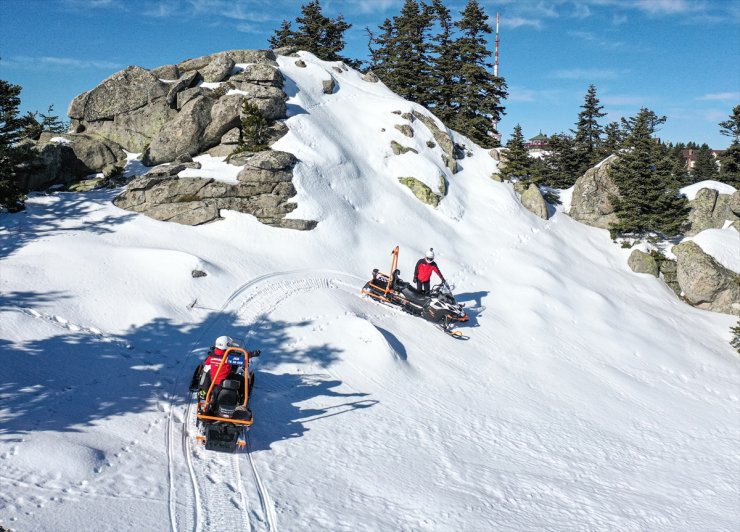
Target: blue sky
(680,58)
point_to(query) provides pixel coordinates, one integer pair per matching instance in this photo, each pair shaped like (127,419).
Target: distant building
(689,156)
(538,144)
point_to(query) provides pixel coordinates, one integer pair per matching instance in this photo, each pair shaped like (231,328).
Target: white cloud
(372,6)
(517,22)
(588,73)
(668,6)
(721,97)
(67,63)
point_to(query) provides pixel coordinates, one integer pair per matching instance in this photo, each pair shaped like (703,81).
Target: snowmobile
(223,416)
(438,306)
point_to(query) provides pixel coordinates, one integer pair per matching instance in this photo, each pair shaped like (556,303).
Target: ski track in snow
(217,497)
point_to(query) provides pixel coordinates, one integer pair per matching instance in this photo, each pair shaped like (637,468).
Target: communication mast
(495,134)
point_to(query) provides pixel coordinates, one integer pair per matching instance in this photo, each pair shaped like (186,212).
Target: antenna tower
(494,123)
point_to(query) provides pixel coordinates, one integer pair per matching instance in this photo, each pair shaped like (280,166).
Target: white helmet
(430,254)
(223,342)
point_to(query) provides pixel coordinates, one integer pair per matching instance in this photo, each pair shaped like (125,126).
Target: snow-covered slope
(588,397)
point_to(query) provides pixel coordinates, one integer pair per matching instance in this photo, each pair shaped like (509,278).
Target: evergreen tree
(649,200)
(444,63)
(254,129)
(478,93)
(588,132)
(679,167)
(15,156)
(316,33)
(613,140)
(561,165)
(519,164)
(705,166)
(730,158)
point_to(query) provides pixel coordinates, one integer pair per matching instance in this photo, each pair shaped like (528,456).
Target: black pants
(422,286)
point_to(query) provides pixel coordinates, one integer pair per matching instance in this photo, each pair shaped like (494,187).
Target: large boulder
(641,262)
(710,210)
(591,203)
(122,92)
(705,283)
(533,201)
(218,68)
(260,74)
(183,135)
(268,167)
(268,99)
(238,56)
(224,117)
(421,191)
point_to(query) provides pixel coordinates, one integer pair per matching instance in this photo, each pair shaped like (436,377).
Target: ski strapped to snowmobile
(223,415)
(438,306)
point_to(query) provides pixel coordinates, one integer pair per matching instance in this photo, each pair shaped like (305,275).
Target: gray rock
(443,139)
(370,77)
(641,262)
(269,100)
(198,273)
(399,149)
(231,136)
(218,69)
(136,129)
(533,201)
(705,283)
(187,81)
(300,63)
(260,74)
(182,135)
(669,273)
(405,129)
(328,85)
(238,56)
(591,203)
(421,191)
(189,94)
(170,170)
(268,166)
(286,50)
(224,116)
(122,92)
(168,72)
(222,150)
(735,203)
(710,210)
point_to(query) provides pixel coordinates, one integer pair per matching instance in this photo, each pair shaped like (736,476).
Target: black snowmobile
(438,306)
(223,416)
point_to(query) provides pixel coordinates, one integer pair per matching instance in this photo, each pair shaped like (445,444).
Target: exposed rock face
(641,262)
(591,204)
(370,77)
(184,134)
(710,210)
(122,92)
(218,69)
(168,72)
(669,273)
(705,283)
(533,201)
(443,139)
(264,190)
(405,129)
(80,156)
(260,74)
(421,191)
(328,85)
(400,149)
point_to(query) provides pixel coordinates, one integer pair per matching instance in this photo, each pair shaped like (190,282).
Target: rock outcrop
(421,191)
(591,202)
(704,282)
(641,262)
(443,139)
(264,190)
(533,201)
(710,210)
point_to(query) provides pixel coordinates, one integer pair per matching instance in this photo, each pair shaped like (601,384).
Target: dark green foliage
(613,138)
(731,126)
(254,129)
(316,33)
(561,164)
(735,342)
(705,166)
(588,132)
(519,164)
(16,156)
(649,199)
(425,57)
(730,159)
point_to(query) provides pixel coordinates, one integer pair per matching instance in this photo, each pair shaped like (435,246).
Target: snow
(587,397)
(722,244)
(213,168)
(691,190)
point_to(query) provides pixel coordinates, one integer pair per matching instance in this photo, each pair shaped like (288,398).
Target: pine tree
(16,156)
(254,129)
(519,164)
(588,132)
(648,199)
(614,137)
(730,158)
(561,167)
(478,93)
(705,166)
(316,33)
(444,63)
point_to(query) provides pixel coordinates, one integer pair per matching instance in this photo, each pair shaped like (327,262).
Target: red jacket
(424,269)
(213,362)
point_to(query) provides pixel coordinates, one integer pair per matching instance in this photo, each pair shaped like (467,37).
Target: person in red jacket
(423,272)
(211,372)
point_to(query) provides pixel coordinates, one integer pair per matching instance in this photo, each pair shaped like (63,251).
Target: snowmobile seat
(415,297)
(226,402)
(231,384)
